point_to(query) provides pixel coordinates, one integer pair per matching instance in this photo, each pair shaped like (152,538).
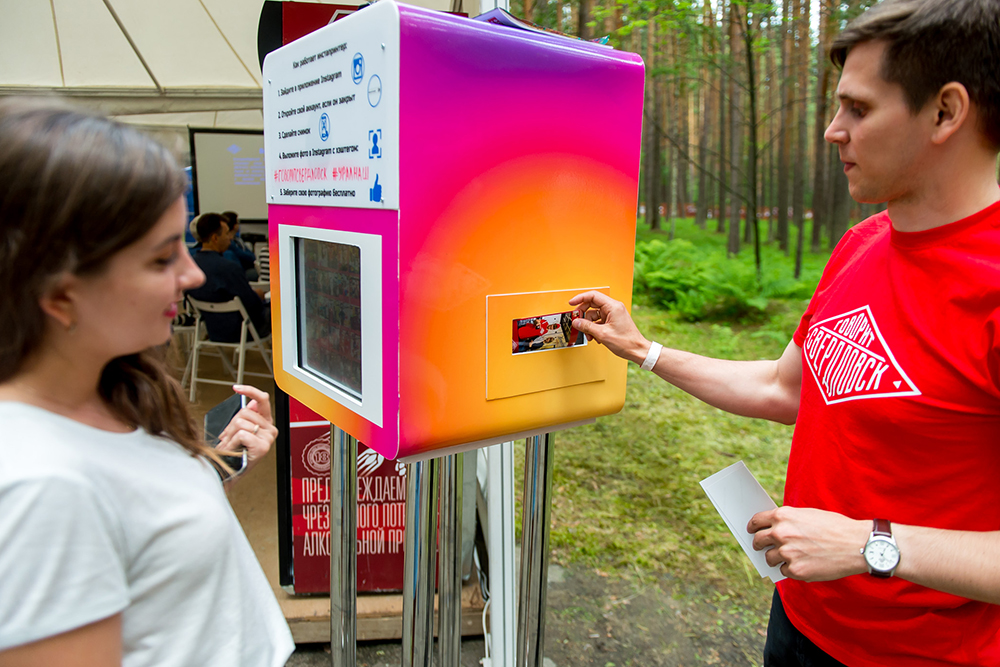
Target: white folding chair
(240,348)
(263,263)
(186,335)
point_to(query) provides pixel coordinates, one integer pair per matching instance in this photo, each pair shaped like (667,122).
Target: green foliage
(698,281)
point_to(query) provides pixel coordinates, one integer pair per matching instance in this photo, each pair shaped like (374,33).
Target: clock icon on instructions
(374,90)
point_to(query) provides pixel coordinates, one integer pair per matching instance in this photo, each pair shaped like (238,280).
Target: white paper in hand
(737,495)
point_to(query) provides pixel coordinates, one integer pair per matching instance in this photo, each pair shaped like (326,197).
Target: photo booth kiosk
(421,267)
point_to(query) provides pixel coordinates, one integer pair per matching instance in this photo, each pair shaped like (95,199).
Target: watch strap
(882,527)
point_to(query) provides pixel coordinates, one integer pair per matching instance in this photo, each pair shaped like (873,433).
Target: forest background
(738,94)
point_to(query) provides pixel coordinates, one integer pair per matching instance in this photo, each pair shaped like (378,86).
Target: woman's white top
(94,523)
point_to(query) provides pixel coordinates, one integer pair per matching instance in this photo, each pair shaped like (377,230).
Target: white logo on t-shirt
(850,360)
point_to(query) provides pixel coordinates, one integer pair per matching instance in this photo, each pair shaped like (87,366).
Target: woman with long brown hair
(117,544)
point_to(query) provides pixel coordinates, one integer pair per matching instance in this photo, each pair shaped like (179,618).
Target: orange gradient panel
(537,224)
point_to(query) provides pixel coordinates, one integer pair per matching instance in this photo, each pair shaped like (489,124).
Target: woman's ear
(952,105)
(57,301)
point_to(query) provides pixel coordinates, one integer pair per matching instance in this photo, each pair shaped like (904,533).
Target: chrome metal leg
(450,584)
(538,457)
(420,547)
(502,573)
(343,548)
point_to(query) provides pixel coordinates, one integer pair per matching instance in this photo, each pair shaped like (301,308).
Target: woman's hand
(251,428)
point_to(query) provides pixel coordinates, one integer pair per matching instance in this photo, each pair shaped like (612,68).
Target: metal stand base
(538,458)
(420,555)
(343,548)
(450,585)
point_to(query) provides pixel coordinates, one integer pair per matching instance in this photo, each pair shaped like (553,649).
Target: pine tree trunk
(771,180)
(735,139)
(841,208)
(785,136)
(748,27)
(587,15)
(720,218)
(827,27)
(681,164)
(798,185)
(653,168)
(705,117)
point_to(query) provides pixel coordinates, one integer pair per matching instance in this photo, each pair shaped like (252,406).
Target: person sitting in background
(238,249)
(224,280)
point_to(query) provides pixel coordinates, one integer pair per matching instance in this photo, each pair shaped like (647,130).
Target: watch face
(881,555)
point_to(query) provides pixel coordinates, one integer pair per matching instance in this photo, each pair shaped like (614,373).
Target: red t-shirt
(900,419)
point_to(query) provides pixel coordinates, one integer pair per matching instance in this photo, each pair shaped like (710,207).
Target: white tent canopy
(127,57)
(152,62)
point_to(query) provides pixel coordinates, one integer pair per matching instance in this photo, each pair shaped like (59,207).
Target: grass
(627,499)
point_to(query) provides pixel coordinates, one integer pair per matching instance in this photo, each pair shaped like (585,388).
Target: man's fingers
(592,299)
(586,326)
(772,558)
(760,520)
(583,324)
(762,540)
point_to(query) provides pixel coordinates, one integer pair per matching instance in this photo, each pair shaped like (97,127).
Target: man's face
(220,240)
(882,144)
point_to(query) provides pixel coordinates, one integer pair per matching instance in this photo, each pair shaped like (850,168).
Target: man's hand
(251,428)
(608,322)
(811,544)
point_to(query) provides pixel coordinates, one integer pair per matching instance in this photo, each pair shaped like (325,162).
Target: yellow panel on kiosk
(421,268)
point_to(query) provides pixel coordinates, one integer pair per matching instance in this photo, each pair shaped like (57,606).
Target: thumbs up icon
(375,192)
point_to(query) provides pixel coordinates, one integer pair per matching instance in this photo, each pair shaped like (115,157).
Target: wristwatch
(881,552)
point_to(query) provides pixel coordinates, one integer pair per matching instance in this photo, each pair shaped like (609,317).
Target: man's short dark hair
(931,43)
(208,224)
(232,217)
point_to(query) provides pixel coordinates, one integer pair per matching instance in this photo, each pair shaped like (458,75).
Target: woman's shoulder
(37,443)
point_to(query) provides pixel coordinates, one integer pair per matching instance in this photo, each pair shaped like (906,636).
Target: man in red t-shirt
(890,530)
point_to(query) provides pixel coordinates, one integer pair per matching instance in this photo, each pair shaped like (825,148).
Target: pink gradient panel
(383,223)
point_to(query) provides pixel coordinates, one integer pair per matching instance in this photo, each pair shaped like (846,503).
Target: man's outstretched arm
(762,389)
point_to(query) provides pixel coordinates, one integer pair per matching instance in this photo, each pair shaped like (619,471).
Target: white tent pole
(55,27)
(228,43)
(121,26)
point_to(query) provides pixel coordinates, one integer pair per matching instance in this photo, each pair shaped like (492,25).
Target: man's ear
(57,301)
(952,106)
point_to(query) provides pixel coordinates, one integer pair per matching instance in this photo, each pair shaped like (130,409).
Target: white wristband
(651,356)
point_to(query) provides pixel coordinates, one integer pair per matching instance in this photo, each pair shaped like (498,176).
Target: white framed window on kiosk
(333,279)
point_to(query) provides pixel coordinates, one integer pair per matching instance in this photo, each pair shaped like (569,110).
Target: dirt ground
(603,621)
